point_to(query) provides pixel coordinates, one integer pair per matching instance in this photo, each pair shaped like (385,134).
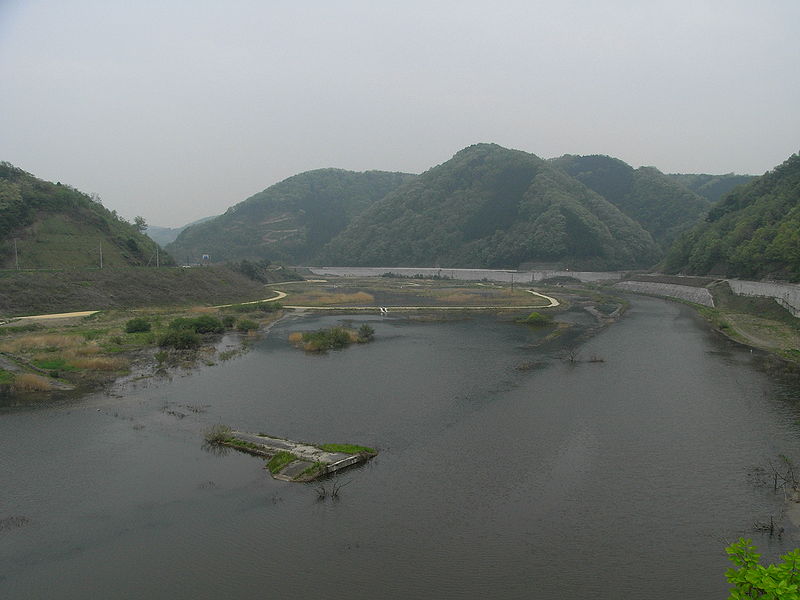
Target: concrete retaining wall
(785,294)
(698,295)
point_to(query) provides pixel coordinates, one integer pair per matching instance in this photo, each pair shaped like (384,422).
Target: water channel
(615,479)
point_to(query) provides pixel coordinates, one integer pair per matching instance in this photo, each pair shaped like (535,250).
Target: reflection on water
(619,479)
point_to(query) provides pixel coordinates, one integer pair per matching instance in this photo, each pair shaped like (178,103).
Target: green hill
(493,207)
(661,205)
(711,187)
(753,232)
(289,221)
(47,225)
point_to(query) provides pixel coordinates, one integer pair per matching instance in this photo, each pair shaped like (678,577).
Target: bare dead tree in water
(571,355)
(324,492)
(783,475)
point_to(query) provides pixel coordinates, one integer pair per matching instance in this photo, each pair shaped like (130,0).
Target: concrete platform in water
(309,462)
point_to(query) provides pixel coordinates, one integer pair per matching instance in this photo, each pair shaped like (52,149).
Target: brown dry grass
(203,310)
(42,342)
(296,338)
(458,298)
(28,382)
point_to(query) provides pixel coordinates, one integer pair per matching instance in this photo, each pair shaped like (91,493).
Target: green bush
(246,325)
(207,324)
(365,333)
(139,324)
(181,323)
(202,324)
(753,580)
(537,319)
(180,339)
(228,320)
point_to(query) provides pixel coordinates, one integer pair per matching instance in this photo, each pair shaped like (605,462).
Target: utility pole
(16,256)
(101,255)
(157,265)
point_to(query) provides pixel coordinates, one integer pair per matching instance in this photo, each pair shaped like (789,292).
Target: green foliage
(537,320)
(28,327)
(54,364)
(365,333)
(279,461)
(752,580)
(492,207)
(201,324)
(246,325)
(248,307)
(180,339)
(347,448)
(257,270)
(326,339)
(217,433)
(711,187)
(663,206)
(228,321)
(754,232)
(289,221)
(207,324)
(57,226)
(138,324)
(6,377)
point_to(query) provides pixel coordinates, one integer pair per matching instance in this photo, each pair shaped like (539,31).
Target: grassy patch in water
(279,461)
(6,376)
(347,448)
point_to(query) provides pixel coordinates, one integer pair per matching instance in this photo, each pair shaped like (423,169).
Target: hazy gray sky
(176,110)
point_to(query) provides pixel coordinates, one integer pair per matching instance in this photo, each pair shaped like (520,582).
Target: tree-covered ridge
(289,221)
(56,226)
(711,187)
(661,205)
(492,207)
(754,232)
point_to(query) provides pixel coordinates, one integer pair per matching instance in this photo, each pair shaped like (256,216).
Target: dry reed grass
(355,298)
(42,342)
(458,298)
(296,338)
(203,310)
(28,382)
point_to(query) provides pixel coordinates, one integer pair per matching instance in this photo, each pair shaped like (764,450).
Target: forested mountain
(659,203)
(493,207)
(56,226)
(289,221)
(710,187)
(753,232)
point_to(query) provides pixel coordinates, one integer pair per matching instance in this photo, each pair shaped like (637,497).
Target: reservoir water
(617,479)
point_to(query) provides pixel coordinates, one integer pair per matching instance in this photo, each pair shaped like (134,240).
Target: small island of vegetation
(332,338)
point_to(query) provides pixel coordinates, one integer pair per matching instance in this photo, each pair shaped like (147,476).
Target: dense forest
(753,232)
(486,207)
(288,222)
(50,225)
(710,187)
(493,207)
(662,206)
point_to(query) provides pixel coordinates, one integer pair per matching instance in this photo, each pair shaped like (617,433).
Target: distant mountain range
(47,225)
(488,206)
(165,235)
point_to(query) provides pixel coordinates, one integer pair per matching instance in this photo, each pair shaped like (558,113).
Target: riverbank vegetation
(84,352)
(332,338)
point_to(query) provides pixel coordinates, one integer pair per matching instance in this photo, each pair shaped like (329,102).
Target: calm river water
(620,479)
